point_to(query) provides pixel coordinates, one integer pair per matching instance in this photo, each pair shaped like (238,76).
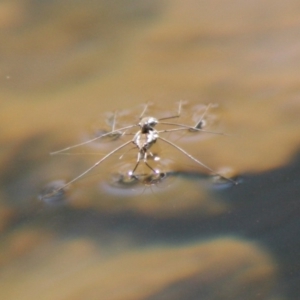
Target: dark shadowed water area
(68,68)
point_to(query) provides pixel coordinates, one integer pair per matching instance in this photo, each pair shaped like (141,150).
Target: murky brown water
(66,63)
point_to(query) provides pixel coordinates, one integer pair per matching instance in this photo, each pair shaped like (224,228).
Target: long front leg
(197,161)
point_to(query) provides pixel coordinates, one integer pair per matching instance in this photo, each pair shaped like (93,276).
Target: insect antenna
(88,170)
(196,160)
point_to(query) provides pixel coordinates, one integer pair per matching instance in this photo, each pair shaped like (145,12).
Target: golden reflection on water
(64,64)
(78,270)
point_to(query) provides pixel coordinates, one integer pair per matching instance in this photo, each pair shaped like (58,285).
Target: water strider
(143,140)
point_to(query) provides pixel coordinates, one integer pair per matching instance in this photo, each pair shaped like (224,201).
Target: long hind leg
(197,161)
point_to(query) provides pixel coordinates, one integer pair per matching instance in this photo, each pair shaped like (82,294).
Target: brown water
(66,63)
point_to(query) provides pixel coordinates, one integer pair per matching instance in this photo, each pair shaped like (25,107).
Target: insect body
(143,140)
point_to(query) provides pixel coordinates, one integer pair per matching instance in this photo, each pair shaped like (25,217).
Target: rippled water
(66,67)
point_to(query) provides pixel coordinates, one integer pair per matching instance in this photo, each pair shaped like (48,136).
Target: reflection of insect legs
(143,140)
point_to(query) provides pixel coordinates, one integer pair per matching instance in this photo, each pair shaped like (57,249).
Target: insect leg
(188,127)
(196,160)
(146,163)
(92,140)
(144,110)
(137,163)
(175,116)
(114,122)
(199,124)
(142,156)
(88,170)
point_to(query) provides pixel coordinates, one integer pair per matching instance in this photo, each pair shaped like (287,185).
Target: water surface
(64,65)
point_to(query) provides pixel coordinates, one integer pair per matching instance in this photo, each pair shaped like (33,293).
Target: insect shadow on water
(143,140)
